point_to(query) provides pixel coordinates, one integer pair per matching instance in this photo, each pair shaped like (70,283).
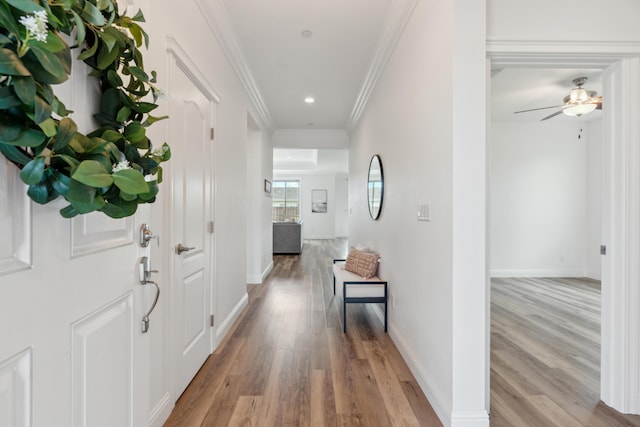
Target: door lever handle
(182,248)
(145,319)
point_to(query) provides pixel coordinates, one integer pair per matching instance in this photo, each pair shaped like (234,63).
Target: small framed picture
(267,186)
(319,201)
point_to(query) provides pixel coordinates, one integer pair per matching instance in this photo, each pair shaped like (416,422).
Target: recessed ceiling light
(306,34)
(309,100)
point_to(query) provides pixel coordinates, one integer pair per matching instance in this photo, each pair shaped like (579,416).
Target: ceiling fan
(579,101)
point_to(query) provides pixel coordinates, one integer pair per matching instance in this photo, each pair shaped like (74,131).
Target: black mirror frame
(369,204)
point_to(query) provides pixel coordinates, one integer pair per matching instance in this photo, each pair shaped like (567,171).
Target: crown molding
(218,19)
(395,22)
(559,53)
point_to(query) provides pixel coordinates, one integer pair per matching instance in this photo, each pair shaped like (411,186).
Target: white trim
(558,54)
(161,412)
(258,279)
(620,361)
(469,418)
(539,273)
(320,237)
(620,346)
(218,19)
(395,22)
(428,386)
(226,324)
(190,69)
(267,271)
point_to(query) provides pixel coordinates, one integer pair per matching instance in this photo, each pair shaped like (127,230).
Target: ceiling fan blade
(536,109)
(551,115)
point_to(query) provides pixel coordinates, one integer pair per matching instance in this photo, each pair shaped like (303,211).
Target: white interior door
(191,117)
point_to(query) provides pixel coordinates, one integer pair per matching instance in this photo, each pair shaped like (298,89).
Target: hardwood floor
(287,362)
(545,355)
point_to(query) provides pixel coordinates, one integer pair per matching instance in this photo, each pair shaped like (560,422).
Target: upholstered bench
(358,289)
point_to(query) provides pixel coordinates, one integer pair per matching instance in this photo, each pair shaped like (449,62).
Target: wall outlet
(393,300)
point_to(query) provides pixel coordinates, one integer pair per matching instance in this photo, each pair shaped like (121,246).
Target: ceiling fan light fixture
(579,109)
(578,95)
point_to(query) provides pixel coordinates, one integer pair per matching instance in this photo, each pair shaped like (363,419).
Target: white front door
(72,352)
(191,121)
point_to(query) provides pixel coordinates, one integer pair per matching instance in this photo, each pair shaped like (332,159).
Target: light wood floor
(288,363)
(545,355)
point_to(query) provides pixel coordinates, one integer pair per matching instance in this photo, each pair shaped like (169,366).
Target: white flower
(36,25)
(123,165)
(159,152)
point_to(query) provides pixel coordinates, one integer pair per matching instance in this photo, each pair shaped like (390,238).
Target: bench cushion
(360,290)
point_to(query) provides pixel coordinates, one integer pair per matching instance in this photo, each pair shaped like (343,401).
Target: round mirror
(375,187)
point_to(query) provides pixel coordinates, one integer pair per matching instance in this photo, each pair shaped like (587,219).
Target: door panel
(191,116)
(102,363)
(70,305)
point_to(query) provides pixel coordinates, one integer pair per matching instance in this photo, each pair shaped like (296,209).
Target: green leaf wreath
(111,169)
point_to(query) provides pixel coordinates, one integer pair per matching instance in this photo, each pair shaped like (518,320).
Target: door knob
(182,248)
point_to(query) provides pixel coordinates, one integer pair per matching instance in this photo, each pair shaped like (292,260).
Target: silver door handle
(145,319)
(181,248)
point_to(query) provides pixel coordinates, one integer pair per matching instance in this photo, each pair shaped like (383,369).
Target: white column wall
(426,120)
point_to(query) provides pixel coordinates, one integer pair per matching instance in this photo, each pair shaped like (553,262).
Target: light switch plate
(424,212)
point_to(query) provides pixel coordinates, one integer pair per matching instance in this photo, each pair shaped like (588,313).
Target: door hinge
(213,320)
(603,250)
(213,133)
(210,227)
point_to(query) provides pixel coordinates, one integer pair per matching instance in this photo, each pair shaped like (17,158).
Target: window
(286,200)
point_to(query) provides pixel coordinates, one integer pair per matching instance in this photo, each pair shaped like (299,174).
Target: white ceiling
(337,65)
(330,66)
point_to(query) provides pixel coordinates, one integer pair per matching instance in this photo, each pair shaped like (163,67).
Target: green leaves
(92,173)
(35,130)
(33,171)
(130,181)
(11,65)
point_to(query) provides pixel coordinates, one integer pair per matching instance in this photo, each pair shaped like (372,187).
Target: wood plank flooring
(287,362)
(545,355)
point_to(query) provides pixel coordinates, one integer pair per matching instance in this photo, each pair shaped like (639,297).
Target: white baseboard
(539,273)
(319,237)
(470,419)
(161,412)
(595,275)
(267,271)
(435,397)
(226,324)
(258,279)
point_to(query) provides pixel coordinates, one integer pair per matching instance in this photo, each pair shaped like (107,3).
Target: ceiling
(330,65)
(340,60)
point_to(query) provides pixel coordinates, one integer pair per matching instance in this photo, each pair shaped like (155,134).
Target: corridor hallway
(286,361)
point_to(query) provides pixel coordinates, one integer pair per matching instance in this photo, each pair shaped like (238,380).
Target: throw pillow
(362,263)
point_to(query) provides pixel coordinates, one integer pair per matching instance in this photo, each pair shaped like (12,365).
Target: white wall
(317,225)
(259,230)
(614,20)
(341,201)
(541,200)
(426,120)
